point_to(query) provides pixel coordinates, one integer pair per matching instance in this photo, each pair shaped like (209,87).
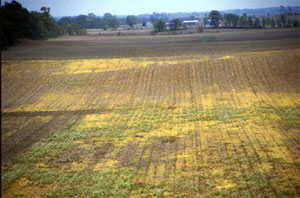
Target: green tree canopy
(264,22)
(243,20)
(45,10)
(19,23)
(107,15)
(256,23)
(215,16)
(90,21)
(250,22)
(273,24)
(231,20)
(159,25)
(176,23)
(283,20)
(112,22)
(131,20)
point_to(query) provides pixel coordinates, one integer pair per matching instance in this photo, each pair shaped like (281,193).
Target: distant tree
(15,23)
(243,20)
(278,22)
(227,19)
(283,20)
(215,16)
(290,9)
(235,20)
(131,20)
(192,17)
(268,21)
(273,24)
(79,30)
(18,23)
(256,23)
(264,22)
(176,23)
(282,9)
(231,20)
(90,22)
(112,22)
(69,30)
(290,22)
(107,15)
(105,27)
(123,21)
(159,25)
(295,23)
(81,20)
(65,21)
(38,27)
(91,15)
(98,23)
(250,22)
(46,10)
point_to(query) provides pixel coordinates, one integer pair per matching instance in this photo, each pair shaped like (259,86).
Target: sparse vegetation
(206,39)
(210,115)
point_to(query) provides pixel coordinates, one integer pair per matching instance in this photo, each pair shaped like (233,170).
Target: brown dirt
(187,78)
(154,46)
(235,70)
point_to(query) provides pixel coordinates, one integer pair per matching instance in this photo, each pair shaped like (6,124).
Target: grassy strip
(207,39)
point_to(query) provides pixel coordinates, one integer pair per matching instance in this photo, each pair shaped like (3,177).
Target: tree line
(72,25)
(233,21)
(18,23)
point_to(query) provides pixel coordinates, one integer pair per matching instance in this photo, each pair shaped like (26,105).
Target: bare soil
(86,47)
(172,108)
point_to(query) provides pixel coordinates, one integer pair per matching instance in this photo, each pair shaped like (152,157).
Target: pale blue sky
(127,7)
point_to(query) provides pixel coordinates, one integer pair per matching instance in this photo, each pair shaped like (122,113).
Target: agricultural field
(201,115)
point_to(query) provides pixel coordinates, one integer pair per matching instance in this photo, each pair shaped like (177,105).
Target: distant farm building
(208,22)
(149,25)
(191,22)
(169,26)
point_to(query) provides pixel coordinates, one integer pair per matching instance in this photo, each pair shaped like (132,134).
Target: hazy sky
(127,7)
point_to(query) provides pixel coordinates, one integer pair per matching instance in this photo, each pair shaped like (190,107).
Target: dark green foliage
(257,23)
(283,20)
(71,25)
(296,23)
(131,20)
(268,22)
(159,25)
(244,21)
(43,26)
(250,22)
(215,16)
(231,20)
(112,22)
(264,22)
(176,23)
(273,24)
(18,23)
(15,23)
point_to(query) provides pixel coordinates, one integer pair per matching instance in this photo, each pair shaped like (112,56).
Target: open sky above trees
(134,7)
